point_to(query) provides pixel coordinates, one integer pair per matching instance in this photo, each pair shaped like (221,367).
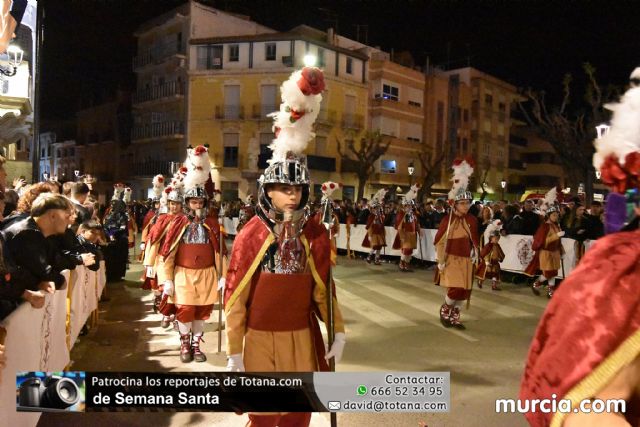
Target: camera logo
(40,392)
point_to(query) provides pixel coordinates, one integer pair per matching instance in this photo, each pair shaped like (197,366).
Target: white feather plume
(549,200)
(378,198)
(293,136)
(198,167)
(127,195)
(624,133)
(460,178)
(158,185)
(412,193)
(493,226)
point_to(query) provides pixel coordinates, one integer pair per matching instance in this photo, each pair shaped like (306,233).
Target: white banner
(37,338)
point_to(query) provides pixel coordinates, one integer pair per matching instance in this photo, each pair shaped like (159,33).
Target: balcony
(516,140)
(517,164)
(173,129)
(166,90)
(150,167)
(229,112)
(327,164)
(352,121)
(158,54)
(260,111)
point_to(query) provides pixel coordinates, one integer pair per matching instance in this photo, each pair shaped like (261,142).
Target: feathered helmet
(174,193)
(292,126)
(197,175)
(549,203)
(617,157)
(158,187)
(493,229)
(410,197)
(118,191)
(462,171)
(378,199)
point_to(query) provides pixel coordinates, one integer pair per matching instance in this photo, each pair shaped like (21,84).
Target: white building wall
(210,22)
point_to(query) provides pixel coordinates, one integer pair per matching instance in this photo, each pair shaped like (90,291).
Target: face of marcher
(174,208)
(196,204)
(553,217)
(462,207)
(285,198)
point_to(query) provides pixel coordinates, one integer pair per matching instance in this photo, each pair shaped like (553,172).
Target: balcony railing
(260,111)
(352,121)
(156,130)
(165,90)
(150,167)
(327,164)
(158,54)
(229,112)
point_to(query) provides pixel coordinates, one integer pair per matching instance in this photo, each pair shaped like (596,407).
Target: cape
(157,229)
(397,243)
(248,251)
(590,329)
(177,227)
(147,218)
(473,227)
(539,242)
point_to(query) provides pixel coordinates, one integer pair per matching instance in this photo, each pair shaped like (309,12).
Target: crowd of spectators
(45,228)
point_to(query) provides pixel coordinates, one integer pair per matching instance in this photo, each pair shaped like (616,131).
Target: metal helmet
(464,195)
(175,195)
(292,171)
(195,193)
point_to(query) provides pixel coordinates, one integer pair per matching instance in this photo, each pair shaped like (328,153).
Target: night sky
(89,43)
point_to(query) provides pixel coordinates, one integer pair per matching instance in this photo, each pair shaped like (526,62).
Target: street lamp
(411,170)
(503,184)
(309,60)
(598,174)
(15,59)
(77,174)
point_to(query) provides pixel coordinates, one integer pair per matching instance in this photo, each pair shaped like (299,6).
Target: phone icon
(362,390)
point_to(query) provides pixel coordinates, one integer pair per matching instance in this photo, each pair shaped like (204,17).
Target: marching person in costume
(246,213)
(276,288)
(330,217)
(375,237)
(548,247)
(132,227)
(491,256)
(457,245)
(171,203)
(191,256)
(587,344)
(152,215)
(408,228)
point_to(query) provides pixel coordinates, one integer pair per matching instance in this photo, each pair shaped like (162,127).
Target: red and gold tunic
(454,242)
(589,332)
(375,237)
(192,266)
(271,317)
(490,258)
(548,249)
(408,229)
(153,243)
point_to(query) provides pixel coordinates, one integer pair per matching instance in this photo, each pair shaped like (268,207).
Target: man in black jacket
(530,219)
(26,252)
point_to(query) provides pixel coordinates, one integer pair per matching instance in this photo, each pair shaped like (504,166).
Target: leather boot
(165,322)
(455,318)
(377,260)
(156,302)
(185,348)
(445,313)
(198,355)
(550,291)
(369,258)
(494,286)
(536,287)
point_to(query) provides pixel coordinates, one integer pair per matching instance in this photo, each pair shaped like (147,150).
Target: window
(270,52)
(230,142)
(502,106)
(488,100)
(209,58)
(390,92)
(500,153)
(415,104)
(465,145)
(234,52)
(486,148)
(350,66)
(321,62)
(465,115)
(387,166)
(348,192)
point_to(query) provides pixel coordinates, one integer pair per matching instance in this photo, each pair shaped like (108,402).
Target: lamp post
(598,175)
(602,129)
(411,170)
(503,185)
(15,59)
(76,173)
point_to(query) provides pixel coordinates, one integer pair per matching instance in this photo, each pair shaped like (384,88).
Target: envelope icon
(334,405)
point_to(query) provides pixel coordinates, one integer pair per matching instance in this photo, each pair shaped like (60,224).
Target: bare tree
(571,130)
(431,168)
(483,173)
(364,155)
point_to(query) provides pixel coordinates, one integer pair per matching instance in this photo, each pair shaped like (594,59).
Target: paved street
(392,325)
